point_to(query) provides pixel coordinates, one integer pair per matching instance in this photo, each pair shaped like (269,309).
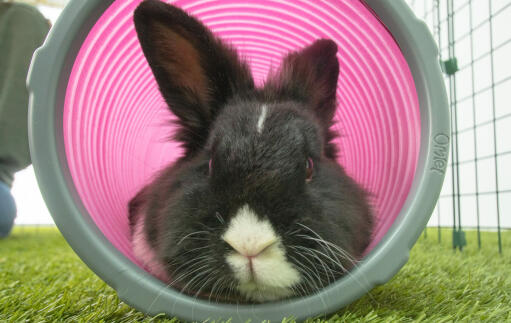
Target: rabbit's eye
(308,169)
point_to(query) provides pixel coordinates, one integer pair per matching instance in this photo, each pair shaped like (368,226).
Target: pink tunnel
(116,123)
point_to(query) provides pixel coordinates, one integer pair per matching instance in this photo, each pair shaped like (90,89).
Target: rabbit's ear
(195,72)
(310,75)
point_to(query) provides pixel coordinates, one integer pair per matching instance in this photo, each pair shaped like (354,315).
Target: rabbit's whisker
(189,235)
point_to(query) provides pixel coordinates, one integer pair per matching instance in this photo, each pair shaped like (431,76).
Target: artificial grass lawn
(42,280)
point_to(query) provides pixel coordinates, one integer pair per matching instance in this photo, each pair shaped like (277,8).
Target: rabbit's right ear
(195,72)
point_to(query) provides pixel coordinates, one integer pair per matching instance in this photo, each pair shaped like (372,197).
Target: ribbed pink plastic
(116,123)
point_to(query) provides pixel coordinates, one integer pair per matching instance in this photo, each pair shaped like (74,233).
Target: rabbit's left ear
(310,75)
(195,71)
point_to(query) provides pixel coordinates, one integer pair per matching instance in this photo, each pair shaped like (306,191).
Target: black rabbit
(257,209)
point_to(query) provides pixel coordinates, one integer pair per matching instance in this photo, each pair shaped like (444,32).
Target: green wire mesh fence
(474,37)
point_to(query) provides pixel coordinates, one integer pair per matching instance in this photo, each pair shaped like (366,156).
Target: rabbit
(257,209)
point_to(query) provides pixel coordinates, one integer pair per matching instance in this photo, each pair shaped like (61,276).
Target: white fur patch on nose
(272,276)
(247,234)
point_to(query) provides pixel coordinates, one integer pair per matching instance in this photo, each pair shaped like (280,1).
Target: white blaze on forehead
(262,117)
(273,276)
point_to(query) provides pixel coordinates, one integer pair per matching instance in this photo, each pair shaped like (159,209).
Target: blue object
(7,210)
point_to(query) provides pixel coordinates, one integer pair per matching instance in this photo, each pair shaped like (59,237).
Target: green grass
(42,280)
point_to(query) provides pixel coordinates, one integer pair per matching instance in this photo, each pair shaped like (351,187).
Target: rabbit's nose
(248,234)
(251,250)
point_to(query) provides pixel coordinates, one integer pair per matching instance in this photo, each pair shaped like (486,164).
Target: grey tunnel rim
(47,82)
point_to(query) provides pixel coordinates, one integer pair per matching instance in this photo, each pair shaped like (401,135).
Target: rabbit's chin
(270,279)
(260,293)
